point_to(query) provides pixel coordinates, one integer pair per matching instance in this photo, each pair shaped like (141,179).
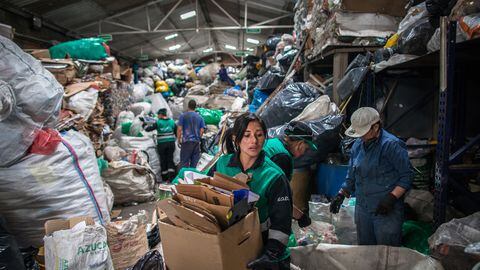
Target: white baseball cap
(362,120)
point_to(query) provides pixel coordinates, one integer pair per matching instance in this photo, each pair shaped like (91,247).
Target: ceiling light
(187,15)
(208,50)
(171,36)
(250,49)
(253,41)
(175,47)
(230,47)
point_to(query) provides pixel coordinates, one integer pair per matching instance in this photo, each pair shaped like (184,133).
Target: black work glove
(270,257)
(304,221)
(385,206)
(336,203)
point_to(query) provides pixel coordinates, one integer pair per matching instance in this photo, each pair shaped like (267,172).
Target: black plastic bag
(272,42)
(415,38)
(361,60)
(10,256)
(287,59)
(269,81)
(288,103)
(439,8)
(351,82)
(152,260)
(153,237)
(325,137)
(383,54)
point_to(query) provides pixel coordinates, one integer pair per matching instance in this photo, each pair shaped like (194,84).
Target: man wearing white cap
(379,174)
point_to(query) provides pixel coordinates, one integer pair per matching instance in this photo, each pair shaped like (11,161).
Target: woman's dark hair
(238,131)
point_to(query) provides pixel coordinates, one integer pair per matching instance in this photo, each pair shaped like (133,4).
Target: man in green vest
(298,138)
(165,143)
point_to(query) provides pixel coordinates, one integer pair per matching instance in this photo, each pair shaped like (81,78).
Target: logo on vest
(283,199)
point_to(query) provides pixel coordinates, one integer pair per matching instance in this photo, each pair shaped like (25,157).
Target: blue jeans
(189,154)
(379,230)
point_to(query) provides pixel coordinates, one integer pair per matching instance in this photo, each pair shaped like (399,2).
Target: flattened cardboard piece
(231,249)
(54,225)
(222,213)
(181,215)
(76,88)
(205,193)
(227,182)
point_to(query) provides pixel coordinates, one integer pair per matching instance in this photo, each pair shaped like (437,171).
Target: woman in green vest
(268,181)
(298,138)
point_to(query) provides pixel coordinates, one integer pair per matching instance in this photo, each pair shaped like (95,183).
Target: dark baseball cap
(297,130)
(162,111)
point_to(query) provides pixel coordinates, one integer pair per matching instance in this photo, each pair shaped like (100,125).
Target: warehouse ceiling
(140,27)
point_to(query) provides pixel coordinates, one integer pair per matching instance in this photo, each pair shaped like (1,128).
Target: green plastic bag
(102,164)
(415,235)
(211,117)
(87,49)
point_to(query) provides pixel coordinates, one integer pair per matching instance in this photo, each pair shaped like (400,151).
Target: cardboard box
(63,70)
(65,224)
(231,249)
(39,53)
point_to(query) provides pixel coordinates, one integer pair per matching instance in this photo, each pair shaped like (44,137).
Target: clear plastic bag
(457,232)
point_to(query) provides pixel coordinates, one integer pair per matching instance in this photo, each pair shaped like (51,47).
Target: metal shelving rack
(451,130)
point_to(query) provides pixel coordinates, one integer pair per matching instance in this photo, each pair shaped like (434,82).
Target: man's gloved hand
(385,206)
(304,221)
(336,203)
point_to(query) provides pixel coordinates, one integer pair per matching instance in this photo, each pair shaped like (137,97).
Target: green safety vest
(275,146)
(165,130)
(261,179)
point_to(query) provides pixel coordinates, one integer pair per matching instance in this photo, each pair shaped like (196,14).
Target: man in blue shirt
(190,128)
(379,174)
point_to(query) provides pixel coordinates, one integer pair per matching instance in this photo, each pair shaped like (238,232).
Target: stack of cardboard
(212,221)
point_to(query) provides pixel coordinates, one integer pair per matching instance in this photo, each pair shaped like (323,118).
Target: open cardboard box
(231,249)
(54,225)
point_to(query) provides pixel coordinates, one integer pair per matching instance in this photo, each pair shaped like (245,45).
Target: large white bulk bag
(32,96)
(63,185)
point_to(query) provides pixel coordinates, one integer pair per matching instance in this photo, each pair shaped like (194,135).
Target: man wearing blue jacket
(379,174)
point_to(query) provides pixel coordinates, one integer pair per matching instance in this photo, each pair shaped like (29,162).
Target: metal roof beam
(226,13)
(272,20)
(168,15)
(208,20)
(88,24)
(217,28)
(124,25)
(267,7)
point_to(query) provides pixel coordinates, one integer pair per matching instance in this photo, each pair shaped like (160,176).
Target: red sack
(45,142)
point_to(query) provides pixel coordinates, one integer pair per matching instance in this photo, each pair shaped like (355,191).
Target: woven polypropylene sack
(63,185)
(33,97)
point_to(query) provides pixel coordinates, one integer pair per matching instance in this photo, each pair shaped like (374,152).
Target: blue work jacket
(376,169)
